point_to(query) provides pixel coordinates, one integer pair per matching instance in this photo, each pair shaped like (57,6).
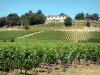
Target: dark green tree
(26,17)
(14,19)
(2,21)
(40,17)
(80,16)
(37,18)
(31,18)
(87,16)
(39,12)
(62,14)
(95,16)
(68,21)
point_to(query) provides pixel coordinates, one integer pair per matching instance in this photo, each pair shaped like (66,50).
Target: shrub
(68,21)
(12,40)
(88,24)
(26,27)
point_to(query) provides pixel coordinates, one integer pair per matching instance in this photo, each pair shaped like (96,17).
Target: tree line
(82,16)
(28,18)
(87,16)
(31,18)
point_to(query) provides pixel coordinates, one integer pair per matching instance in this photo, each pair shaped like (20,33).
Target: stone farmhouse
(55,18)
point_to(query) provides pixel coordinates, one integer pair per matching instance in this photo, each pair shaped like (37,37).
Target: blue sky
(49,7)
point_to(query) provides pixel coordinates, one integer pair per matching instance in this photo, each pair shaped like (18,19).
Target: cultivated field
(68,36)
(9,34)
(50,50)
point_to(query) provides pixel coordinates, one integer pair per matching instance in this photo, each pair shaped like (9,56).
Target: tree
(95,16)
(37,18)
(14,19)
(25,22)
(39,12)
(68,21)
(2,21)
(26,17)
(40,17)
(29,18)
(33,18)
(62,14)
(80,16)
(87,16)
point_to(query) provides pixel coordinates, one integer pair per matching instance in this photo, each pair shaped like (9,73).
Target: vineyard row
(32,55)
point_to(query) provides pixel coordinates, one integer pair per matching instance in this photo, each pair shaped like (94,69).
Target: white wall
(56,18)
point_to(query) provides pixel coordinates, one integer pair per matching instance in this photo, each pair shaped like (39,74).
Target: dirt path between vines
(30,34)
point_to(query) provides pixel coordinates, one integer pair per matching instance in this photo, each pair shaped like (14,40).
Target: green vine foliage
(32,55)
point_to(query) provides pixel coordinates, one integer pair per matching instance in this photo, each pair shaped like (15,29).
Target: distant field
(9,34)
(69,36)
(54,33)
